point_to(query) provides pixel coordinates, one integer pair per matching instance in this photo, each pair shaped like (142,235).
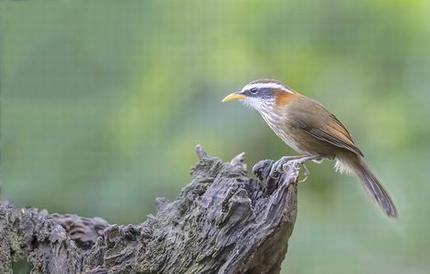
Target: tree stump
(222,222)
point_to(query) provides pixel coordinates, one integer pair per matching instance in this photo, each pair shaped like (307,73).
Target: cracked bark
(222,222)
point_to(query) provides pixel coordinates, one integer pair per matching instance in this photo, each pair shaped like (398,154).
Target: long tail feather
(370,183)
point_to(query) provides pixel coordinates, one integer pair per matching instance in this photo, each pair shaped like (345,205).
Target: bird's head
(263,95)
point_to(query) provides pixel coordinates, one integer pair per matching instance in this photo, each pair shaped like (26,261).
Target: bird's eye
(253,91)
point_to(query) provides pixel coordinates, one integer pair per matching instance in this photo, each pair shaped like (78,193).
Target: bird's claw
(297,164)
(281,165)
(306,173)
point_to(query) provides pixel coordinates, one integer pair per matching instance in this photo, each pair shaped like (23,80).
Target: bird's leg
(301,161)
(306,171)
(279,166)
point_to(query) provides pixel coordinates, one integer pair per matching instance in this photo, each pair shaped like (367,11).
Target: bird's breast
(278,121)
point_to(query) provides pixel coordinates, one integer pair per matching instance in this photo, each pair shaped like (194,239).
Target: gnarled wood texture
(222,222)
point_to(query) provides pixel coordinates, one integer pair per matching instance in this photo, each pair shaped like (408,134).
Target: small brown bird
(310,129)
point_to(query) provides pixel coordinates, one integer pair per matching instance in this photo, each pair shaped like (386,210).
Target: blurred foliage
(103,101)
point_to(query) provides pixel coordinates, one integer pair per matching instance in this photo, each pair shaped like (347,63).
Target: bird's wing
(325,126)
(337,139)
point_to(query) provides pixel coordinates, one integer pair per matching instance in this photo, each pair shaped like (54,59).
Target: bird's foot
(280,166)
(306,173)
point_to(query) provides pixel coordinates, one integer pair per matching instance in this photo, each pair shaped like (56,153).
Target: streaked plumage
(309,128)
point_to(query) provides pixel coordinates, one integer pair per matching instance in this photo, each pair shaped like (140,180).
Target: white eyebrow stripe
(266,85)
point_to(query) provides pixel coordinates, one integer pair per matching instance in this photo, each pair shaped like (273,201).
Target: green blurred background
(102,103)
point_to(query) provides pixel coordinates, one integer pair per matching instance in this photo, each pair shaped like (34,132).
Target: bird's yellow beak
(233,97)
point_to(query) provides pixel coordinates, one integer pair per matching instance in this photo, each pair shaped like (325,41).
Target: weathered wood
(221,222)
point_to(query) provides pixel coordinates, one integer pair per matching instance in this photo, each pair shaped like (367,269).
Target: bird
(310,129)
